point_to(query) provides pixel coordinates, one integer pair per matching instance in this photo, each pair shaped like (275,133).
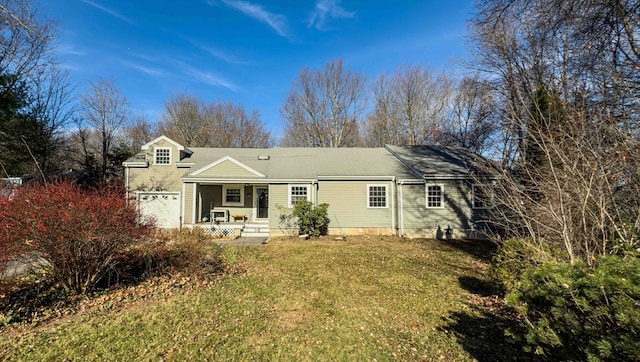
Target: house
(411,191)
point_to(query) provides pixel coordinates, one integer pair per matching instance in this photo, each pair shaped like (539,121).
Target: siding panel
(278,199)
(348,204)
(456,213)
(188,203)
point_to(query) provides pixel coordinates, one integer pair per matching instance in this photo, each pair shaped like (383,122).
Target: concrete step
(255,230)
(254,234)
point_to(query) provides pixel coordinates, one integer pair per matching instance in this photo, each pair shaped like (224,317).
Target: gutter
(139,164)
(246,180)
(356,178)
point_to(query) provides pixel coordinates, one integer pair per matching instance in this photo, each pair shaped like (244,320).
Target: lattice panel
(219,231)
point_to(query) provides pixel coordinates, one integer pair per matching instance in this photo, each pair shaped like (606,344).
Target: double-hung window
(232,195)
(435,196)
(162,156)
(377,196)
(298,193)
(482,196)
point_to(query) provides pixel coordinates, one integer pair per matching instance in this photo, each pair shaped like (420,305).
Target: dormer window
(162,156)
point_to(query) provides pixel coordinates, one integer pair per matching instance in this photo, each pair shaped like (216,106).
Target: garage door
(164,207)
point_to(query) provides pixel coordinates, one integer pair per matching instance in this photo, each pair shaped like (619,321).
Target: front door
(262,194)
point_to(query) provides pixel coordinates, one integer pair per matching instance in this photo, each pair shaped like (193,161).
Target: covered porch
(230,208)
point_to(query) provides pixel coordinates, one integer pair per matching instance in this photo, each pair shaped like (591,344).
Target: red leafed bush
(77,232)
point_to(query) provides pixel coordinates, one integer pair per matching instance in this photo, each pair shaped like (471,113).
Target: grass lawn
(364,299)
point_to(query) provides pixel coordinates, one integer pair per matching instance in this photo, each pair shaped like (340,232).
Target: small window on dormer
(162,156)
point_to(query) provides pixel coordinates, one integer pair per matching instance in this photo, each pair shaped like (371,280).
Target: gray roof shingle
(306,163)
(436,161)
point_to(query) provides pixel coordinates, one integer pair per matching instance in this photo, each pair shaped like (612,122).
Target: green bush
(576,312)
(514,257)
(312,220)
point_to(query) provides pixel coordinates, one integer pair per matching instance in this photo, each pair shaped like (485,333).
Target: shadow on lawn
(480,249)
(482,331)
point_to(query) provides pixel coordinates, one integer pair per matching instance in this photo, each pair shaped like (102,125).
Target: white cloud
(196,75)
(154,72)
(326,9)
(109,11)
(217,53)
(68,49)
(277,22)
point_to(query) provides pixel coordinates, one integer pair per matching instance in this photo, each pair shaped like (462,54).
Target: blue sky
(247,51)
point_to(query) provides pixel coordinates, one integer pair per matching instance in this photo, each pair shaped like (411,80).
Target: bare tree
(34,90)
(186,121)
(50,102)
(235,128)
(192,122)
(105,112)
(471,122)
(324,107)
(139,132)
(26,39)
(410,107)
(566,72)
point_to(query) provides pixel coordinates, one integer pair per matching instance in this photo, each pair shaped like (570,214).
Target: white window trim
(232,187)
(473,196)
(386,196)
(289,193)
(155,156)
(426,192)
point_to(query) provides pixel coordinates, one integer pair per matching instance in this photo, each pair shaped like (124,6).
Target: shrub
(78,232)
(514,257)
(163,257)
(576,312)
(312,220)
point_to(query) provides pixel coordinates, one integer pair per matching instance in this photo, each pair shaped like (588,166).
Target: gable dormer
(164,151)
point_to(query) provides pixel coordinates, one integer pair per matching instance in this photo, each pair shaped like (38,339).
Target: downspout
(315,196)
(401,211)
(183,205)
(393,206)
(193,202)
(126,183)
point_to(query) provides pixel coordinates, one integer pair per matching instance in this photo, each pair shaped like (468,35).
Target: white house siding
(452,220)
(348,201)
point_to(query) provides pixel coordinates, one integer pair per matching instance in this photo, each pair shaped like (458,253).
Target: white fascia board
(246,180)
(135,164)
(411,182)
(356,178)
(163,138)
